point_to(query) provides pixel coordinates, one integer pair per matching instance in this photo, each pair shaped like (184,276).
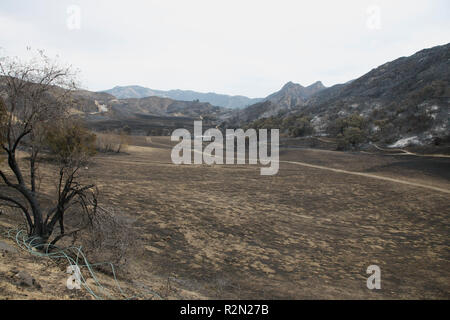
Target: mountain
(394,81)
(215,99)
(408,98)
(405,101)
(293,94)
(130,92)
(289,97)
(156,106)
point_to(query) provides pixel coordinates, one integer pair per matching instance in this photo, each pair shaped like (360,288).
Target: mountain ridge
(216,99)
(292,93)
(407,98)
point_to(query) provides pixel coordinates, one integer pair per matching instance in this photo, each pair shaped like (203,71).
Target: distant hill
(124,108)
(103,111)
(151,115)
(220,100)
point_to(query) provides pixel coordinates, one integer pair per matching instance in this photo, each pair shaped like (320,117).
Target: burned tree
(36,98)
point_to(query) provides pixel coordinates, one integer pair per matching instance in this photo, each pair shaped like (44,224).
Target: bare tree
(37,97)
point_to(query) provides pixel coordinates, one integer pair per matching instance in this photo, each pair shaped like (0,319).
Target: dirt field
(309,232)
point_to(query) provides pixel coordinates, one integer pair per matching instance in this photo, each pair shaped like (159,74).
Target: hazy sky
(247,47)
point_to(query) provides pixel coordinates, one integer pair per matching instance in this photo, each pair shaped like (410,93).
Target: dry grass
(227,232)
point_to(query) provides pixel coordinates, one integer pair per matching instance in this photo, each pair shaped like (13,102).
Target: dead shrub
(108,238)
(113,142)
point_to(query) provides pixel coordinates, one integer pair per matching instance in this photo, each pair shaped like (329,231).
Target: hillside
(405,101)
(289,97)
(105,106)
(152,115)
(104,112)
(108,107)
(220,100)
(27,276)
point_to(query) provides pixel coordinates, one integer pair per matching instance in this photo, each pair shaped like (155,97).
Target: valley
(225,232)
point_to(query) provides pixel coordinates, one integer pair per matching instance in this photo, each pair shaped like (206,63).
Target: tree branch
(21,136)
(19,205)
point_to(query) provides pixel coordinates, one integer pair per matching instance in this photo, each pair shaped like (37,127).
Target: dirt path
(404,152)
(367,175)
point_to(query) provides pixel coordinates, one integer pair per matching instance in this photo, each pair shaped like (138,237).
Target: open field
(309,232)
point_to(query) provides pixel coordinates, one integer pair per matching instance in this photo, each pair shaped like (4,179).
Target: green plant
(354,136)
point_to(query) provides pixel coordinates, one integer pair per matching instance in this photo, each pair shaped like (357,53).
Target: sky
(237,47)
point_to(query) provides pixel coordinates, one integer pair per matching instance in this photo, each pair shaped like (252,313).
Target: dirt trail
(367,175)
(404,152)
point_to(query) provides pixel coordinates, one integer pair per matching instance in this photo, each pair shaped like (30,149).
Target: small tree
(354,136)
(339,125)
(37,97)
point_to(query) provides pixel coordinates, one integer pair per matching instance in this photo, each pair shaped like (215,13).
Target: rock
(24,279)
(7,248)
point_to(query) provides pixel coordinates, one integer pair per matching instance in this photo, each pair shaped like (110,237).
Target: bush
(69,140)
(342,144)
(109,238)
(295,126)
(301,127)
(111,142)
(339,125)
(354,136)
(350,131)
